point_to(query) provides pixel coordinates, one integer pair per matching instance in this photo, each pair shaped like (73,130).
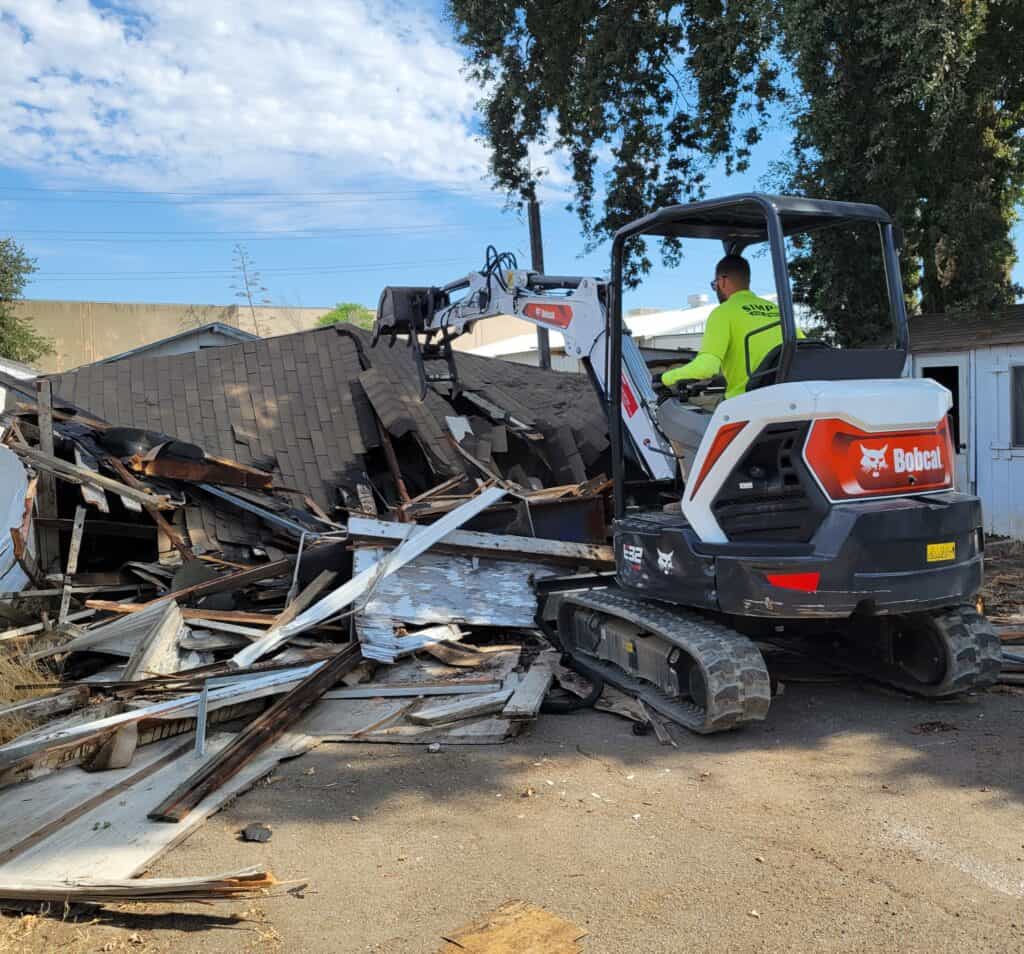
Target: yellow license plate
(937,552)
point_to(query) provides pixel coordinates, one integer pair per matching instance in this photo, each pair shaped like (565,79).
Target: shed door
(1000,428)
(952,371)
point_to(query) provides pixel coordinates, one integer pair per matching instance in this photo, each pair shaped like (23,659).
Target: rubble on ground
(221,559)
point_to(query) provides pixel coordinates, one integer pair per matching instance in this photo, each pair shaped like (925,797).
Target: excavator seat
(684,425)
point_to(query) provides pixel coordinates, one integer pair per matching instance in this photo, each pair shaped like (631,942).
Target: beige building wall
(491,330)
(87,331)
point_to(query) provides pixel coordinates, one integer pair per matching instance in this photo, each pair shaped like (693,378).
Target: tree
(248,284)
(923,113)
(665,89)
(917,106)
(358,315)
(19,341)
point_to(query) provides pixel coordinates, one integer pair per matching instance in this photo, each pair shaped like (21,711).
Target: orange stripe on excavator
(725,436)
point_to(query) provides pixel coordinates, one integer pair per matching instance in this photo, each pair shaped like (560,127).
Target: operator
(723,348)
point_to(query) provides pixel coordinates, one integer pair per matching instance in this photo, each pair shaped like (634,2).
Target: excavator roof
(741,219)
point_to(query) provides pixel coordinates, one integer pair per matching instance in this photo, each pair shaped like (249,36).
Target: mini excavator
(815,511)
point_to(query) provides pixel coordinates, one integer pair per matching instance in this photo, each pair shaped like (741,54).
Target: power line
(246,194)
(226,273)
(93,196)
(303,236)
(235,233)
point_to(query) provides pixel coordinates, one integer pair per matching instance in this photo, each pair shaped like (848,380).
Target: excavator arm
(574,306)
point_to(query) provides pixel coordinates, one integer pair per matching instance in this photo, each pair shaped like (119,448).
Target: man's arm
(708,362)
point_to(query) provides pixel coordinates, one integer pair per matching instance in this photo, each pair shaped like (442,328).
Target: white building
(673,330)
(981,361)
(654,331)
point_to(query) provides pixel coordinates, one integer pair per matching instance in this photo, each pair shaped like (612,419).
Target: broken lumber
(255,737)
(71,473)
(19,754)
(473,543)
(35,710)
(158,518)
(72,564)
(157,652)
(363,583)
(438,713)
(124,632)
(222,616)
(246,883)
(516,926)
(532,688)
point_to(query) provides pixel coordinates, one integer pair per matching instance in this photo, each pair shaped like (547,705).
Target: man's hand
(669,379)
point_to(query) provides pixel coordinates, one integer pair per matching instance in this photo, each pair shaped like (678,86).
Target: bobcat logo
(665,561)
(873,461)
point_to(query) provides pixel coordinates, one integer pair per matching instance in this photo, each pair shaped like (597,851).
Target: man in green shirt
(723,348)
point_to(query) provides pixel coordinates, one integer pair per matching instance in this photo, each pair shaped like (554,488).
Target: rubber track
(973,654)
(738,687)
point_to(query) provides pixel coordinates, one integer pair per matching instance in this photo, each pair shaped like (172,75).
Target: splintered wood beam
(46,503)
(177,541)
(210,470)
(502,546)
(260,733)
(74,474)
(72,567)
(225,616)
(247,883)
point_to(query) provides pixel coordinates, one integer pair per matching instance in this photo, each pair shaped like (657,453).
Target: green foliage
(921,111)
(18,339)
(915,106)
(358,315)
(663,89)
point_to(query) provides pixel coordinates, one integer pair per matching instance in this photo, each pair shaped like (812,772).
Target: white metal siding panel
(1000,466)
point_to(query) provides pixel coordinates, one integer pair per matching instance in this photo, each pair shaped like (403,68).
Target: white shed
(981,361)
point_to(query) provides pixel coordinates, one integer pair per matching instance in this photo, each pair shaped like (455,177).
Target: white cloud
(187,95)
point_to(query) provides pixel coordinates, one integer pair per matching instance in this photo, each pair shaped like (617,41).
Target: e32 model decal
(633,556)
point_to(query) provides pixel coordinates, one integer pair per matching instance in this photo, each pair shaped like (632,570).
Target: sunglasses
(715,281)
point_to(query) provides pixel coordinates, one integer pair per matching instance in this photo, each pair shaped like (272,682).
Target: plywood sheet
(117,840)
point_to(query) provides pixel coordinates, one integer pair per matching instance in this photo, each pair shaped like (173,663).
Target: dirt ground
(840,824)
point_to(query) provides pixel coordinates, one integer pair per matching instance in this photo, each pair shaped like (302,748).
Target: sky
(142,140)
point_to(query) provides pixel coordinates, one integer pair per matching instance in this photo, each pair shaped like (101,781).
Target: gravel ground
(844,823)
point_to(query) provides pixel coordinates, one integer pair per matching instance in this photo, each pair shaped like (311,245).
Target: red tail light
(804,582)
(851,463)
(725,436)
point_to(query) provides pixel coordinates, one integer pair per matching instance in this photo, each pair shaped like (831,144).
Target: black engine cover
(654,556)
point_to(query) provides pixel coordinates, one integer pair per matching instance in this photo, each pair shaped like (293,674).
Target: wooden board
(531,689)
(489,730)
(516,927)
(416,690)
(118,840)
(31,808)
(442,711)
(158,652)
(492,544)
(341,720)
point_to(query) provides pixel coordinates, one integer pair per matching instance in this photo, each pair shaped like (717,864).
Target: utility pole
(537,263)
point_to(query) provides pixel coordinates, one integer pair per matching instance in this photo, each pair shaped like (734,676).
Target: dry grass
(20,679)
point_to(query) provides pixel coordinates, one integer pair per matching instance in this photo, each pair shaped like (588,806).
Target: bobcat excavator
(816,510)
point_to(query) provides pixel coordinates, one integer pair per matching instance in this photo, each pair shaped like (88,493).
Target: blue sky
(141,141)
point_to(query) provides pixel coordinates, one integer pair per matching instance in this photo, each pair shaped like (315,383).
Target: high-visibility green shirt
(723,348)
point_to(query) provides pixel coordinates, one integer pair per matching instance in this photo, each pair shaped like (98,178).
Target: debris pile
(309,554)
